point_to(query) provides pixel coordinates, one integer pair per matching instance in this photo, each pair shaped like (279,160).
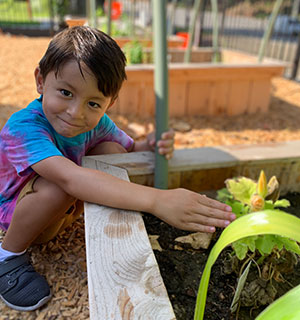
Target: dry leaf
(196,240)
(154,243)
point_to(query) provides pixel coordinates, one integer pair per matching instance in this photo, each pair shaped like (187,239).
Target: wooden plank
(147,108)
(238,98)
(177,98)
(259,99)
(219,97)
(129,98)
(142,163)
(210,166)
(198,95)
(124,281)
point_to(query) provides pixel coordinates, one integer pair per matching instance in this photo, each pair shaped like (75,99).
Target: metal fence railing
(241,22)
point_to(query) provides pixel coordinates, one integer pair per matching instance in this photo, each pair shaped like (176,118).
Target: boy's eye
(66,93)
(94,104)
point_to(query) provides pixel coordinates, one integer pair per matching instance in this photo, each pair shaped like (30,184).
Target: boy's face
(72,104)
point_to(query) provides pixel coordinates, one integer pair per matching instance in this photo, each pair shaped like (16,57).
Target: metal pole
(187,54)
(172,17)
(214,8)
(269,30)
(161,88)
(296,61)
(92,13)
(295,9)
(109,17)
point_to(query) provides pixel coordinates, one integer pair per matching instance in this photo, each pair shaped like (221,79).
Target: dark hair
(99,52)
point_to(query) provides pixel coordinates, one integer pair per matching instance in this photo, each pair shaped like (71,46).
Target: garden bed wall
(231,88)
(206,168)
(173,41)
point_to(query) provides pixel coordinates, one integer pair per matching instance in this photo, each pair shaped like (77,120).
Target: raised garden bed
(112,235)
(238,85)
(173,41)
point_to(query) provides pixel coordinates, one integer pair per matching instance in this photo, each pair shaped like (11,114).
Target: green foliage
(241,189)
(256,224)
(134,52)
(122,28)
(100,12)
(61,8)
(245,196)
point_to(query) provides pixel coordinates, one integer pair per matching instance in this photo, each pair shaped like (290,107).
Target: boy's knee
(52,191)
(107,147)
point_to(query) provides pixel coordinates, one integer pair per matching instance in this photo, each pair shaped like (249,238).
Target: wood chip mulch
(62,260)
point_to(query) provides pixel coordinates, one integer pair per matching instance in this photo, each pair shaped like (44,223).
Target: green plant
(134,52)
(61,8)
(261,232)
(258,223)
(246,196)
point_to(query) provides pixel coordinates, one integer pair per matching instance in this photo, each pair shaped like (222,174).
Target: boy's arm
(181,208)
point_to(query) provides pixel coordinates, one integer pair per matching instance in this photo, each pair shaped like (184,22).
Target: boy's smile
(72,102)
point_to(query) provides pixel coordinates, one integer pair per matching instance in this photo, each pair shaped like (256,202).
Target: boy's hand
(191,211)
(165,144)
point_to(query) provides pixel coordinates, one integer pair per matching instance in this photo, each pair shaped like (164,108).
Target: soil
(62,260)
(181,268)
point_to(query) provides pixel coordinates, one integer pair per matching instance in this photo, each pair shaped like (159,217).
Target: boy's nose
(75,110)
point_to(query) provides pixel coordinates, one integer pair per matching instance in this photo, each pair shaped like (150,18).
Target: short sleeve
(108,131)
(26,142)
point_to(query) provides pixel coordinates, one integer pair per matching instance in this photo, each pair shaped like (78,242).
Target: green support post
(196,9)
(92,13)
(109,17)
(268,31)
(161,88)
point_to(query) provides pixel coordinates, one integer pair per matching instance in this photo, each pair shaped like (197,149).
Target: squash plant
(246,196)
(260,232)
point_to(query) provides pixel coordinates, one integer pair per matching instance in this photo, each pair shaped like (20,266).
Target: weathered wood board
(124,281)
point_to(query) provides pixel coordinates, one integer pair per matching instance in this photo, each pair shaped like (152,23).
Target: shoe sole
(30,308)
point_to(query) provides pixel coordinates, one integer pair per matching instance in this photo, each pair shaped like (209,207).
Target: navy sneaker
(21,287)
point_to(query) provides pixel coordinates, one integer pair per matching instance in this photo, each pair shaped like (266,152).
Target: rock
(181,126)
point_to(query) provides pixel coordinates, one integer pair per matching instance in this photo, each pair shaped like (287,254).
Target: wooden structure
(173,42)
(123,278)
(236,86)
(72,22)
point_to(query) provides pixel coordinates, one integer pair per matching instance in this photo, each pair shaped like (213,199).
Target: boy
(42,184)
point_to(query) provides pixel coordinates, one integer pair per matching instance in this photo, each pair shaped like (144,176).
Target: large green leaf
(284,308)
(262,222)
(241,188)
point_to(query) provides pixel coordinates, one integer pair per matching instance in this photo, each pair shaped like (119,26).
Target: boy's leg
(21,287)
(34,213)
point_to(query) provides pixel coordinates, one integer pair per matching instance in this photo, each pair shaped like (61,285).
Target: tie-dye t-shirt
(28,138)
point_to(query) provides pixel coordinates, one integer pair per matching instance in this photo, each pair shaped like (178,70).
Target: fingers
(166,147)
(168,135)
(209,214)
(214,204)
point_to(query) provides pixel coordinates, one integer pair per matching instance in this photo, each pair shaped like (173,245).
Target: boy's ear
(112,101)
(39,80)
